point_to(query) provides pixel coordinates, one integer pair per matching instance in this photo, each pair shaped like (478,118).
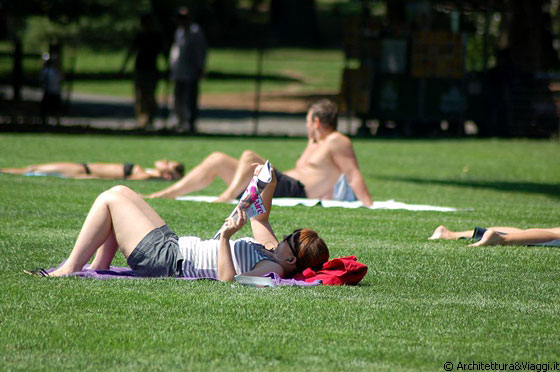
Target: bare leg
(505,229)
(118,212)
(65,169)
(243,175)
(22,170)
(105,253)
(519,237)
(215,165)
(442,232)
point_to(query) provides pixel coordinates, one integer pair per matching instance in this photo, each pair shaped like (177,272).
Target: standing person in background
(51,81)
(147,45)
(186,60)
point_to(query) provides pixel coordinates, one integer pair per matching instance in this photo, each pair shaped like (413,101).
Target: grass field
(422,303)
(228,70)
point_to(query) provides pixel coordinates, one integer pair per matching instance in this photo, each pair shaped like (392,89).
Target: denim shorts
(156,255)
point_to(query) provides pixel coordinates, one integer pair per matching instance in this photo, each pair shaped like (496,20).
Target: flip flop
(39,273)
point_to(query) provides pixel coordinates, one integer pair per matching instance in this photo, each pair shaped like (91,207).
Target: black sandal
(39,273)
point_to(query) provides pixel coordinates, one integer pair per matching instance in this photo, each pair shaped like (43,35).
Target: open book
(251,200)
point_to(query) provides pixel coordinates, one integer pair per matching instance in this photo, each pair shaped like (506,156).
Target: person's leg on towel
(217,164)
(242,176)
(66,169)
(107,226)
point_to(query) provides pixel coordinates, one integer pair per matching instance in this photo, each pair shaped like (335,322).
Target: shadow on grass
(549,189)
(32,76)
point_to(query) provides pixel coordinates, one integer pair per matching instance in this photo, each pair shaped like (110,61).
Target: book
(251,200)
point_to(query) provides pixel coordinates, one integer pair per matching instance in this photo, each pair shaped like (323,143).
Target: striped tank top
(200,257)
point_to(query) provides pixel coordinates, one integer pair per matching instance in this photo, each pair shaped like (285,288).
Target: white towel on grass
(292,202)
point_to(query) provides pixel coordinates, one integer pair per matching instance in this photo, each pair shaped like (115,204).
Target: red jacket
(338,271)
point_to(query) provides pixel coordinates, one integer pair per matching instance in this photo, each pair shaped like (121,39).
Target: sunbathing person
(501,236)
(327,168)
(163,169)
(120,218)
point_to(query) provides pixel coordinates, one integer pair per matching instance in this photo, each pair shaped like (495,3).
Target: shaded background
(407,68)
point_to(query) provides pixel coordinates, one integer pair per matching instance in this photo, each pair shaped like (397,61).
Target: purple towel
(115,272)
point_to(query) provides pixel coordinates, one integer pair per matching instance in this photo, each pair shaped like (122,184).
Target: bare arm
(139,174)
(226,270)
(345,159)
(265,267)
(262,231)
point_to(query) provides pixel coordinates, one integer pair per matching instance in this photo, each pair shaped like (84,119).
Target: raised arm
(226,270)
(262,231)
(345,159)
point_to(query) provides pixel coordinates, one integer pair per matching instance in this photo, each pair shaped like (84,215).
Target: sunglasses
(292,241)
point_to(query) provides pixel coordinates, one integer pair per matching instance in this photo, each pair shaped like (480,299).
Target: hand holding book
(251,200)
(234,224)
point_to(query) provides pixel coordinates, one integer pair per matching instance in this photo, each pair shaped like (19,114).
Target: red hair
(311,250)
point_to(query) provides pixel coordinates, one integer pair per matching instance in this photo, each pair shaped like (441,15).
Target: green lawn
(422,303)
(228,70)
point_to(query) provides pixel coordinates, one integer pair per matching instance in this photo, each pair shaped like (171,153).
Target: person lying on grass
(120,218)
(163,169)
(500,235)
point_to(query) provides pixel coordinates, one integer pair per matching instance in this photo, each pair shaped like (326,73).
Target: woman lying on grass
(501,236)
(120,217)
(163,169)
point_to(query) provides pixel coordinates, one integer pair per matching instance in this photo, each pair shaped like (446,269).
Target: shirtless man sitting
(328,156)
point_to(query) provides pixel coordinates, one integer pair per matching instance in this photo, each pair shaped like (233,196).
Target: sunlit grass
(422,304)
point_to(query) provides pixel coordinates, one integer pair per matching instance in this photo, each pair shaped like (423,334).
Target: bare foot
(62,271)
(490,237)
(58,272)
(443,232)
(97,268)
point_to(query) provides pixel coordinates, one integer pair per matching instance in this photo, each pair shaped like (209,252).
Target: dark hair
(312,251)
(180,170)
(326,111)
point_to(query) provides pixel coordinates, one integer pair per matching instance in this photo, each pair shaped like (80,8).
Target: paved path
(107,112)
